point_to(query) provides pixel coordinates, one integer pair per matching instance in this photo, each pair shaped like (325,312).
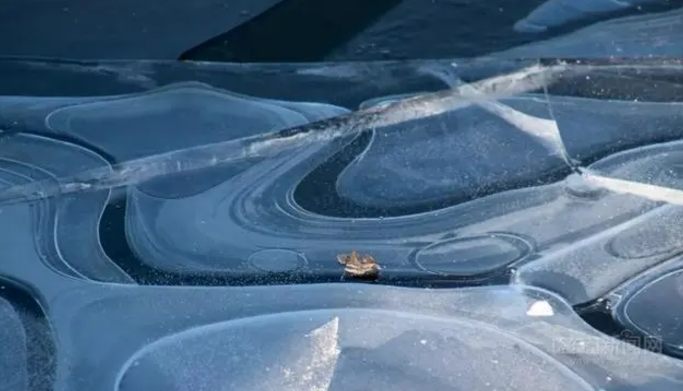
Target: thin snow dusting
(314,369)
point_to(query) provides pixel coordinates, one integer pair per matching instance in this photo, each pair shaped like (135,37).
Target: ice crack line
(137,171)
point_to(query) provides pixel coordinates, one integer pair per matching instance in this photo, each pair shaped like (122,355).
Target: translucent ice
(270,144)
(470,151)
(555,13)
(339,337)
(63,234)
(643,179)
(215,186)
(646,307)
(633,36)
(13,356)
(651,192)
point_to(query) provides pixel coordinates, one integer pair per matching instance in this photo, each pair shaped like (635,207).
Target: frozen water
(641,179)
(646,35)
(339,337)
(264,144)
(13,356)
(66,231)
(570,198)
(555,13)
(205,209)
(240,356)
(633,36)
(590,128)
(645,306)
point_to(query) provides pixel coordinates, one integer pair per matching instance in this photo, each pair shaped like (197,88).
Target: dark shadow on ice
(292,31)
(26,340)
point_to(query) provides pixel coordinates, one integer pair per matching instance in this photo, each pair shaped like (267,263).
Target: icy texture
(653,34)
(404,162)
(13,355)
(211,180)
(645,307)
(228,207)
(65,231)
(555,13)
(199,113)
(257,210)
(196,112)
(261,145)
(340,337)
(642,232)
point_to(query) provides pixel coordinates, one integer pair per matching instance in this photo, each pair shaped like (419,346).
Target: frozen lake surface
(175,225)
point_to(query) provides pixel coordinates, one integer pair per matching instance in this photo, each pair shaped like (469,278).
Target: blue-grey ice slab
(181,109)
(569,236)
(572,237)
(251,223)
(178,116)
(648,306)
(641,232)
(117,29)
(653,34)
(554,13)
(13,355)
(175,117)
(62,233)
(244,220)
(345,84)
(338,337)
(470,151)
(171,118)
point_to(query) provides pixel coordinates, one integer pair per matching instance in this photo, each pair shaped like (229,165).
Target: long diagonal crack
(137,171)
(547,132)
(484,94)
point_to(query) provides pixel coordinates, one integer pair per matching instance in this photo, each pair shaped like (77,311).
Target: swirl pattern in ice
(564,201)
(645,305)
(333,336)
(62,234)
(403,161)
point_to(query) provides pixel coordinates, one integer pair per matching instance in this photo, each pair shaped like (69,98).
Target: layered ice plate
(550,185)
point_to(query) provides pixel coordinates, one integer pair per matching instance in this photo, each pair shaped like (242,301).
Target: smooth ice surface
(554,13)
(600,210)
(472,151)
(654,34)
(261,197)
(117,29)
(458,154)
(64,232)
(645,307)
(269,144)
(200,114)
(375,349)
(340,337)
(243,220)
(183,115)
(590,268)
(240,352)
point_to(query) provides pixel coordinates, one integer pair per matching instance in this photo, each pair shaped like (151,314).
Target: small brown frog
(365,268)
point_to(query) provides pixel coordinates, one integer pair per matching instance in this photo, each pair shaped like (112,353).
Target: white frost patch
(314,369)
(621,186)
(136,171)
(545,131)
(540,309)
